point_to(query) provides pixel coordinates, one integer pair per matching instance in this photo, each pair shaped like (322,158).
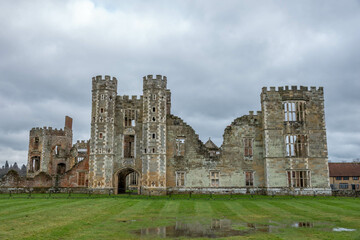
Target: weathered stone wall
(276,128)
(52,146)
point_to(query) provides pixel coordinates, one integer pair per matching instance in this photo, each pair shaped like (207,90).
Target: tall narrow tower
(102,132)
(155,101)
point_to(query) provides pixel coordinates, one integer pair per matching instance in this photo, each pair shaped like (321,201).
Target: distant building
(344,176)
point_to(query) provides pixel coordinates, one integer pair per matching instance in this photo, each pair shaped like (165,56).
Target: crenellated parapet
(158,82)
(47,131)
(107,82)
(291,93)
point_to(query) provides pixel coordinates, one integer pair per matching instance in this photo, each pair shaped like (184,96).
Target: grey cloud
(217,57)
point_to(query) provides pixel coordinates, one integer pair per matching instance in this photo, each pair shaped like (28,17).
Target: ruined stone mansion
(137,143)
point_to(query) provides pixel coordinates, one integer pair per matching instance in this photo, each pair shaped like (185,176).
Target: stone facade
(136,141)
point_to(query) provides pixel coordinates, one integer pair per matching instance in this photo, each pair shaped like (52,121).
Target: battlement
(293,88)
(47,131)
(106,82)
(81,144)
(158,82)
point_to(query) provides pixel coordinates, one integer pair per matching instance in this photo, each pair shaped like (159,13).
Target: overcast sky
(217,55)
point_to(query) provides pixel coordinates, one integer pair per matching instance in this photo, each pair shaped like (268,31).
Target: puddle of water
(216,229)
(339,229)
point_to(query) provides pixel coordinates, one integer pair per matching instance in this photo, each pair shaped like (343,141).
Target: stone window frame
(214,176)
(101,135)
(102,97)
(180,146)
(180,176)
(294,110)
(296,178)
(249,182)
(81,181)
(248,148)
(296,145)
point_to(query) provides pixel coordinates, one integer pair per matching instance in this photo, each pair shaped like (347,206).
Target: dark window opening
(345,178)
(338,178)
(153,150)
(299,178)
(101,110)
(35,164)
(100,135)
(129,118)
(248,147)
(154,109)
(153,135)
(153,119)
(61,168)
(129,146)
(81,178)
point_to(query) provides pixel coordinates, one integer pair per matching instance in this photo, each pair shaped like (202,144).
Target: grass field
(121,218)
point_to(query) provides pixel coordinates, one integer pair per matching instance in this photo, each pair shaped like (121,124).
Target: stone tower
(101,159)
(295,148)
(156,106)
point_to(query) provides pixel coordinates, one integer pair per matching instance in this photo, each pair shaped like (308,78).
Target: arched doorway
(127,181)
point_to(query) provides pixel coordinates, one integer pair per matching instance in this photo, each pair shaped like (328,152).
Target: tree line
(6,168)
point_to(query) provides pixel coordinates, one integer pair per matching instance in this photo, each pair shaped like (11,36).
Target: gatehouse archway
(127,180)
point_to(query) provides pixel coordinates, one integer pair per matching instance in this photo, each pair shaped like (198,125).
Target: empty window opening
(180,179)
(294,111)
(129,146)
(153,150)
(110,98)
(154,109)
(100,135)
(180,146)
(153,135)
(296,146)
(129,118)
(249,179)
(81,178)
(35,164)
(57,150)
(61,168)
(153,119)
(79,159)
(298,178)
(132,179)
(248,147)
(145,150)
(101,110)
(214,178)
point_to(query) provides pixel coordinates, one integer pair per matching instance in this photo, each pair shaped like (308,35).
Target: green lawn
(114,218)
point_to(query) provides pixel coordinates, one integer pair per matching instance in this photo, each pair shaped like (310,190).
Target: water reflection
(215,229)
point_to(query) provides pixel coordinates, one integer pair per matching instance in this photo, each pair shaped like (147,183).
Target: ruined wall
(52,147)
(195,161)
(235,162)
